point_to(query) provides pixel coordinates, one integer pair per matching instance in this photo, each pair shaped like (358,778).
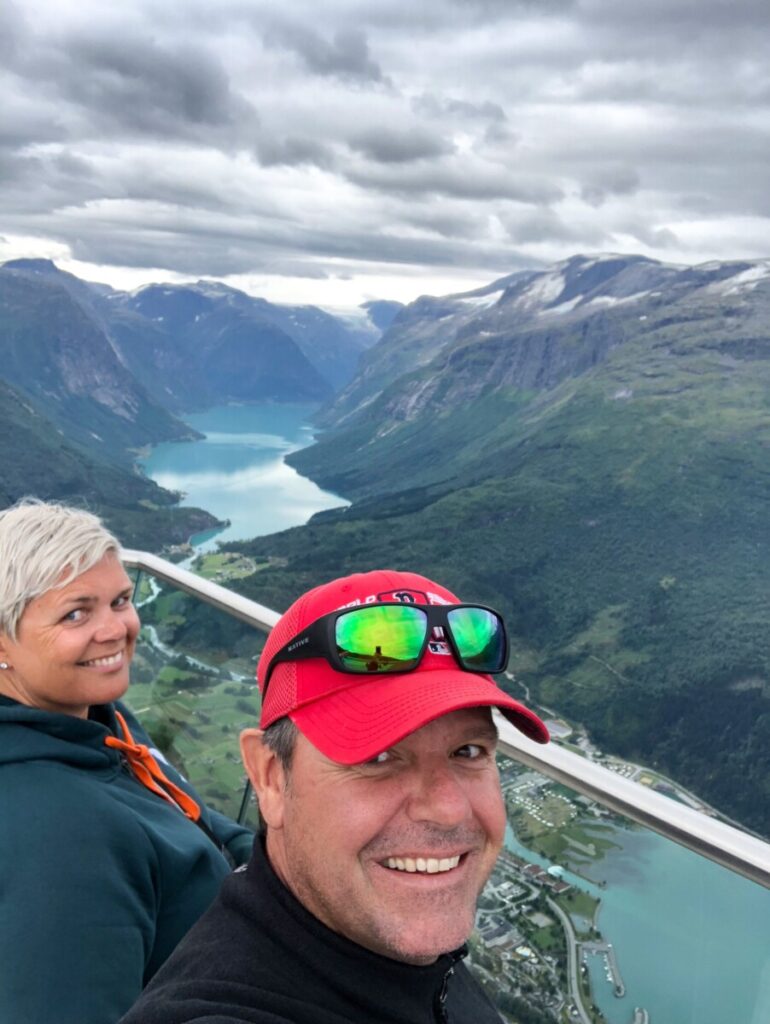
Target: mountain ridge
(600,473)
(89,381)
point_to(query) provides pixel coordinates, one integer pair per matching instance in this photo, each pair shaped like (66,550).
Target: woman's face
(74,645)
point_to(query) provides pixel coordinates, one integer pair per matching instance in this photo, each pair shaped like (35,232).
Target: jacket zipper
(442,1016)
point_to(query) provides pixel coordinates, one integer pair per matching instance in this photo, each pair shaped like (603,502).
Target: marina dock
(613,971)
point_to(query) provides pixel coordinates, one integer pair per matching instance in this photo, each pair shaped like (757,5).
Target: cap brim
(358,722)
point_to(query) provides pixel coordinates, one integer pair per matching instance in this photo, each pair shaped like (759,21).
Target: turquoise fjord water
(237,471)
(692,939)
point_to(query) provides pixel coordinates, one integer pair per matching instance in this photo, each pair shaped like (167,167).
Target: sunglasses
(377,639)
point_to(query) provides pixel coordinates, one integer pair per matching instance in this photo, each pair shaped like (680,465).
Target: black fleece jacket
(258,956)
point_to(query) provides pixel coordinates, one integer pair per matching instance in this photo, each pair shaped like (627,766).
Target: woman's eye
(74,616)
(122,601)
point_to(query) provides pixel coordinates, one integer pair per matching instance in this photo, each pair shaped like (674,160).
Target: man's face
(393,853)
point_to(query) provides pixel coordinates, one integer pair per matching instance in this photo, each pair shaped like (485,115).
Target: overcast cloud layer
(347,149)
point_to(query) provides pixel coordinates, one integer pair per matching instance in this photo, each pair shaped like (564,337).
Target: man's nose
(438,796)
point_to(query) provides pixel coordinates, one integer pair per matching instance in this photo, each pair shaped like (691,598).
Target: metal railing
(242,608)
(740,852)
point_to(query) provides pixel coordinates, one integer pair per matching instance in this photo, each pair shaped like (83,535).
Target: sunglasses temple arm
(309,648)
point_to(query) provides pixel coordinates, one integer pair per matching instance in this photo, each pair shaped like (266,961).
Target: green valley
(618,518)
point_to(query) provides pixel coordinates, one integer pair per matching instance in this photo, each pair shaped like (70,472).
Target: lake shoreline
(237,472)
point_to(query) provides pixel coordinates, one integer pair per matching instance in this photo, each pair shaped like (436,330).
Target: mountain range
(91,376)
(587,448)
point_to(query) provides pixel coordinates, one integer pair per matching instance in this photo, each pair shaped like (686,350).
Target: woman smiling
(107,855)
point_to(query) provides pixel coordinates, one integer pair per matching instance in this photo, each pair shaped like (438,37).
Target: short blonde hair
(45,545)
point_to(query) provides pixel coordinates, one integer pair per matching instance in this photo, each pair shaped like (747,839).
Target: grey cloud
(219,246)
(298,268)
(451,223)
(137,86)
(148,85)
(493,112)
(294,151)
(15,168)
(699,18)
(398,146)
(130,249)
(507,8)
(346,56)
(656,238)
(384,15)
(691,30)
(459,180)
(25,123)
(432,106)
(58,181)
(544,225)
(611,181)
(13,32)
(70,164)
(500,133)
(464,12)
(683,85)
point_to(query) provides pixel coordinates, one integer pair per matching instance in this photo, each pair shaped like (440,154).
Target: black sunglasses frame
(318,640)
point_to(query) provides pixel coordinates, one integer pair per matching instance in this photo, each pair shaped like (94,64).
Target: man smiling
(375,772)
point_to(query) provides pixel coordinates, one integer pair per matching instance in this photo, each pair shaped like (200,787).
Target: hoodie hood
(31,734)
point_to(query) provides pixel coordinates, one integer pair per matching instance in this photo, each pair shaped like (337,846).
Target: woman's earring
(3,664)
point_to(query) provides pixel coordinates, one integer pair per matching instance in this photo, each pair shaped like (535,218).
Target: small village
(538,922)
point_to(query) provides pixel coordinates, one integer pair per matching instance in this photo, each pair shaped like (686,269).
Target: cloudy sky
(332,151)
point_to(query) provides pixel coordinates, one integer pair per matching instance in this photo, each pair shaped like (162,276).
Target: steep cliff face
(196,345)
(88,375)
(417,334)
(591,454)
(534,330)
(38,460)
(54,349)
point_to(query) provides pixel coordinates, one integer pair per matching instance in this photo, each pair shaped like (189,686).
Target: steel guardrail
(212,593)
(729,846)
(726,845)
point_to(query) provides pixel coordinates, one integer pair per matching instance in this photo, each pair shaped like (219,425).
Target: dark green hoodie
(99,877)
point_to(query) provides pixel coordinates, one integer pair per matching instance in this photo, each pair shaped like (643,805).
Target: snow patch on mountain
(544,289)
(564,307)
(482,301)
(616,300)
(743,281)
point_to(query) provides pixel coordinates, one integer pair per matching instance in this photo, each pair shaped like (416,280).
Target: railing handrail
(740,852)
(729,846)
(213,593)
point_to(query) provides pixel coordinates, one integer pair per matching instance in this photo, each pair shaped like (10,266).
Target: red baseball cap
(353,718)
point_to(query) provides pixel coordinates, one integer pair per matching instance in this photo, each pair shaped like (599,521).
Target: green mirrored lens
(479,638)
(383,638)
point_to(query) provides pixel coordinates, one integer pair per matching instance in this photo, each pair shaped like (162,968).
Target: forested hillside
(39,461)
(90,376)
(604,477)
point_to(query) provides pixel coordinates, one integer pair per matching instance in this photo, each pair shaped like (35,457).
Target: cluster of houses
(550,878)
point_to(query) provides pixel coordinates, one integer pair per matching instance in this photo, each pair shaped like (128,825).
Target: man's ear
(266,774)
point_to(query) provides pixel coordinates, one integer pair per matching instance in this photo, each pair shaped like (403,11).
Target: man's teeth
(428,865)
(113,659)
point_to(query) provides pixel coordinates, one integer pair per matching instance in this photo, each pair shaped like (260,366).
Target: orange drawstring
(149,773)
